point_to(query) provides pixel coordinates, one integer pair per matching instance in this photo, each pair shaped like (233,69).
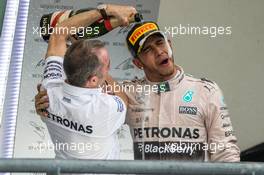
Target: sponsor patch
(120,106)
(142,109)
(53,70)
(188,96)
(223,101)
(166,132)
(188,110)
(69,124)
(163,87)
(226,125)
(224,108)
(176,150)
(66,99)
(229,133)
(223,116)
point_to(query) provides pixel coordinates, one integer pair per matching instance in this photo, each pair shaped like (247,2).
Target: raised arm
(57,42)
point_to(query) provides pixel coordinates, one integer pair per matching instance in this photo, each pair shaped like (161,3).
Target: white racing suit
(181,119)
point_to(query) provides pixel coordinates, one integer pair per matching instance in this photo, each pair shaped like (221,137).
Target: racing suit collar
(78,91)
(169,84)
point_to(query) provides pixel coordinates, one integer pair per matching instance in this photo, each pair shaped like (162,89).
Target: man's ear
(92,82)
(170,43)
(138,63)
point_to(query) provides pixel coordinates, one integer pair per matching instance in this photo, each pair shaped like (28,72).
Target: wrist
(110,10)
(102,10)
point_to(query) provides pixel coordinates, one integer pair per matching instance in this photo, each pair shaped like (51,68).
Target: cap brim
(142,42)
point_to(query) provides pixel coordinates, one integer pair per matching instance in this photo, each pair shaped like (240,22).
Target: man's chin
(168,73)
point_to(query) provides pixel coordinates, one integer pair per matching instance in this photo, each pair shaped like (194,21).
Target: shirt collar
(169,84)
(78,91)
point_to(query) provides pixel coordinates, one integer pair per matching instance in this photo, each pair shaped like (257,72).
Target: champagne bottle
(49,21)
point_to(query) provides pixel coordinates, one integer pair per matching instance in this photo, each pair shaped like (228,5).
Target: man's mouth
(165,61)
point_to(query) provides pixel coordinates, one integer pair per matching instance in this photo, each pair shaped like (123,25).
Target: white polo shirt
(82,122)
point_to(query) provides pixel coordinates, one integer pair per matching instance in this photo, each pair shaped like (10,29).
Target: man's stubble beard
(168,72)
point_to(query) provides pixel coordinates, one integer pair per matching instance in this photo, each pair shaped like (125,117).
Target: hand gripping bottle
(49,21)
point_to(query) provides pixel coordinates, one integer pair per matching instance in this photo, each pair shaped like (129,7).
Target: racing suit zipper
(160,98)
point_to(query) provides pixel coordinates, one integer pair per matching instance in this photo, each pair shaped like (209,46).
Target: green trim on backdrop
(2,12)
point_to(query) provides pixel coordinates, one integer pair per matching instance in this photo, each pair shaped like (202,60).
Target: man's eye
(147,50)
(160,42)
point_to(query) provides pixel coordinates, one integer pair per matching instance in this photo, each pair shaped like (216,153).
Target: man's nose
(158,50)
